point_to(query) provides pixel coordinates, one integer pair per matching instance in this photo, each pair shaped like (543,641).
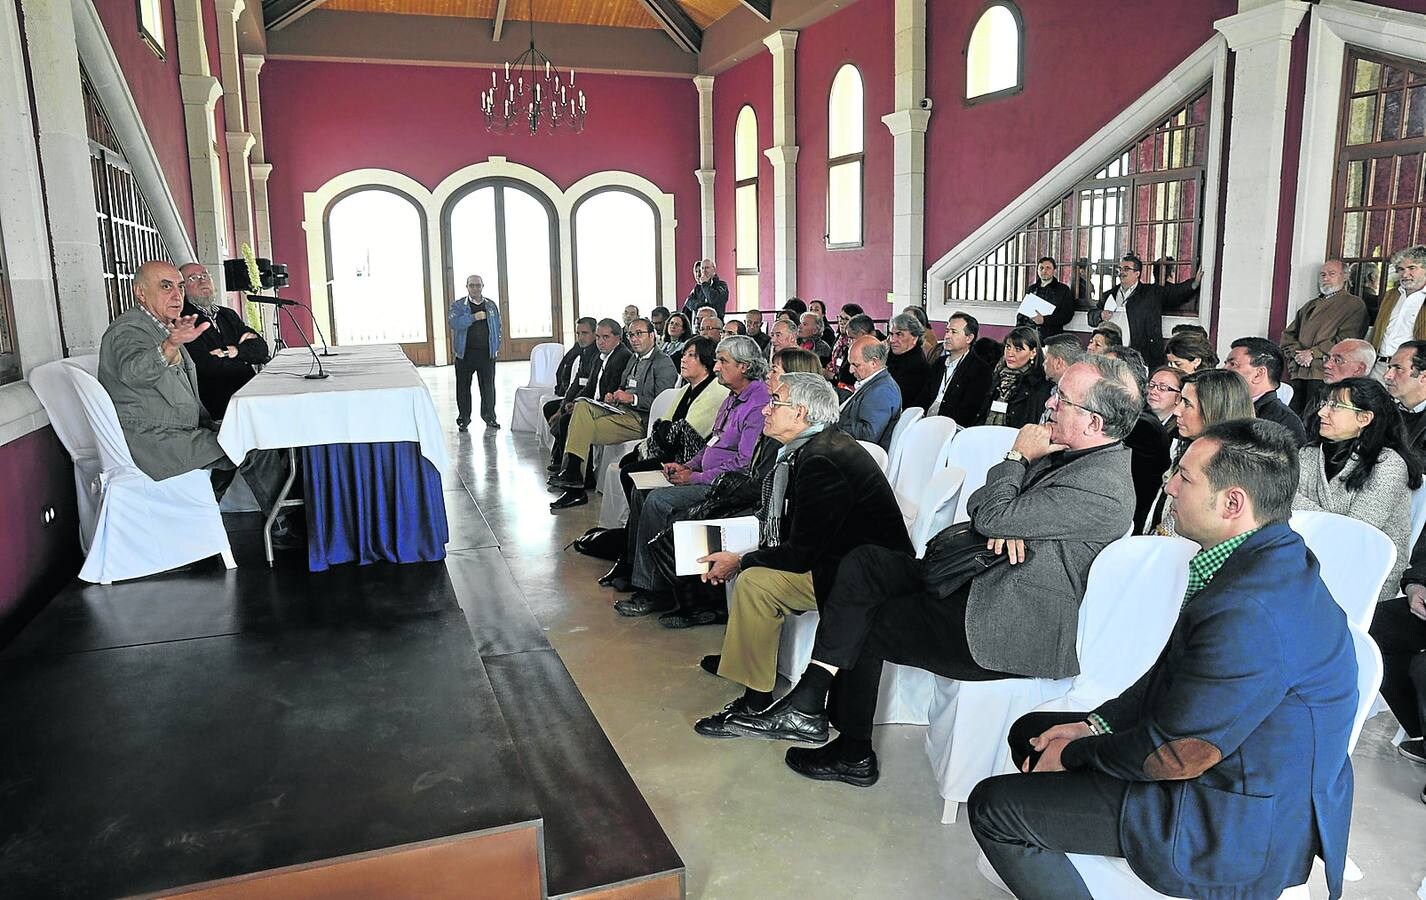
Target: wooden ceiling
(612,13)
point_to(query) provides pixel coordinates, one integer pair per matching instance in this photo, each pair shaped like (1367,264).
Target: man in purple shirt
(741,368)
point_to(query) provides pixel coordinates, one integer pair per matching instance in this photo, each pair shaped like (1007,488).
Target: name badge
(633,382)
(999,406)
(583,382)
(713,440)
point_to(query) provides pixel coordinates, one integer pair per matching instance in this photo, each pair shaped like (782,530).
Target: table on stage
(371,445)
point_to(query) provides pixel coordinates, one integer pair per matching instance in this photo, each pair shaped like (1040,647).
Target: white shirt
(1123,323)
(951,365)
(859,385)
(1403,321)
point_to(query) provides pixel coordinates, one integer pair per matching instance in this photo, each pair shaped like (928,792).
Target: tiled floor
(744,825)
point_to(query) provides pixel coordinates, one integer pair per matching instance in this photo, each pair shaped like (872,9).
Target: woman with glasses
(1161,394)
(1359,464)
(676,335)
(1018,386)
(1206,398)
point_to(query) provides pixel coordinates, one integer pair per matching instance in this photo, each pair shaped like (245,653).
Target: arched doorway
(506,232)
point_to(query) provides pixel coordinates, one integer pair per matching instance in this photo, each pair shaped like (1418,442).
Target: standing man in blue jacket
(475,337)
(1224,770)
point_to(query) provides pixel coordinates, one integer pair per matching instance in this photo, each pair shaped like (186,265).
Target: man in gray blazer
(870,413)
(149,375)
(1061,495)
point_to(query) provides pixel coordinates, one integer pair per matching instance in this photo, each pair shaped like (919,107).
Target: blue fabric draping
(372,502)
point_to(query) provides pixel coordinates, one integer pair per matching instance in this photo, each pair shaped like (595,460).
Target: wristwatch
(1015,456)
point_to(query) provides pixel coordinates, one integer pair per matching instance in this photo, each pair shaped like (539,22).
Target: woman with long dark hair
(677,333)
(1018,387)
(1359,464)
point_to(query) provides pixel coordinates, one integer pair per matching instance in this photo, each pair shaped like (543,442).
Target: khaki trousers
(589,425)
(761,599)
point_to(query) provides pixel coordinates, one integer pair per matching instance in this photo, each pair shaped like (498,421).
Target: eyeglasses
(638,333)
(1163,388)
(730,332)
(1127,269)
(1065,401)
(198,278)
(773,401)
(1338,404)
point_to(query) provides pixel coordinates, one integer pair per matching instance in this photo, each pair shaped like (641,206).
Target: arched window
(845,159)
(616,253)
(745,209)
(994,55)
(376,259)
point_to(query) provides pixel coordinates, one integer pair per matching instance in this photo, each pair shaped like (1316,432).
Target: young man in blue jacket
(475,339)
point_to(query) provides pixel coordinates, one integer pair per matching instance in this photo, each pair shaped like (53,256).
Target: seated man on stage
(1224,770)
(1062,494)
(622,416)
(825,497)
(226,352)
(150,376)
(604,376)
(578,363)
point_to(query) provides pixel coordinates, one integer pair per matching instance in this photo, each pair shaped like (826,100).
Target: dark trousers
(1027,823)
(1307,396)
(265,471)
(1401,637)
(879,611)
(482,366)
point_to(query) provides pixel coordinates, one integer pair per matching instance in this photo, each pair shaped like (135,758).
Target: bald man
(870,413)
(708,290)
(145,366)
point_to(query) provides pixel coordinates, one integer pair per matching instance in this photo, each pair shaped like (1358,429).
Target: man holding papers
(1048,302)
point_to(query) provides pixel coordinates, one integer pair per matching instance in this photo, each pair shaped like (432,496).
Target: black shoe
(693,617)
(641,604)
(620,572)
(710,663)
(824,765)
(622,585)
(566,482)
(462,424)
(553,468)
(716,725)
(568,499)
(289,541)
(1413,749)
(780,722)
(491,423)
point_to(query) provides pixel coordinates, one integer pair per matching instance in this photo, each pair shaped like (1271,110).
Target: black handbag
(674,442)
(602,543)
(955,556)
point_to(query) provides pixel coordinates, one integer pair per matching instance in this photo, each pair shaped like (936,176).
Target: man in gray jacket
(1061,495)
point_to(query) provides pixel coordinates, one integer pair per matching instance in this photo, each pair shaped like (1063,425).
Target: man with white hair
(825,497)
(1402,316)
(1334,315)
(1352,358)
(809,336)
(784,335)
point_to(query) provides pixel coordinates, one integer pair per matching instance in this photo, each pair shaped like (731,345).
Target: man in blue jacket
(475,338)
(1224,770)
(870,413)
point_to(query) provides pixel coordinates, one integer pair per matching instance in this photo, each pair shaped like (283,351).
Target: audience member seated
(677,333)
(631,312)
(1189,351)
(784,336)
(149,375)
(605,375)
(742,371)
(1259,363)
(843,342)
(907,363)
(1224,769)
(710,327)
(647,374)
(857,325)
(1105,336)
(708,289)
(1061,352)
(1402,314)
(960,380)
(1148,442)
(824,498)
(1161,393)
(809,337)
(1018,387)
(226,352)
(1047,287)
(792,359)
(1138,308)
(1334,315)
(735,328)
(1405,379)
(1189,328)
(1061,495)
(820,308)
(578,363)
(930,344)
(753,321)
(1399,629)
(659,317)
(1359,464)
(871,412)
(1207,398)
(794,306)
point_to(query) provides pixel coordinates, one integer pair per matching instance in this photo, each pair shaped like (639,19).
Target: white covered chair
(143,526)
(1355,559)
(1418,512)
(921,456)
(1130,604)
(905,693)
(976,450)
(1284,393)
(904,421)
(875,452)
(613,505)
(55,388)
(529,397)
(938,506)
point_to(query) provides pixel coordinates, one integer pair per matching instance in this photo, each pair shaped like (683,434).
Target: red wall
(35,472)
(749,83)
(862,35)
(321,119)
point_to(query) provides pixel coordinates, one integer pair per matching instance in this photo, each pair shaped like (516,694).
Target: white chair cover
(613,505)
(876,453)
(1355,559)
(542,427)
(1284,393)
(976,450)
(1418,512)
(1121,631)
(52,384)
(144,526)
(544,360)
(938,506)
(921,455)
(904,697)
(904,421)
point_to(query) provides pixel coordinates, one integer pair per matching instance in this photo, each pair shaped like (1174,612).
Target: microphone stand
(326,351)
(320,373)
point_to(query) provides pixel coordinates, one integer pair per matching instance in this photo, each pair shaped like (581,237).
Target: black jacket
(1149,443)
(219,378)
(1269,407)
(572,366)
(1146,315)
(965,396)
(714,294)
(1025,405)
(909,370)
(1058,293)
(837,500)
(619,359)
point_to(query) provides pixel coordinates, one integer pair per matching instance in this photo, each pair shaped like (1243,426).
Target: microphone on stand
(284,304)
(283,301)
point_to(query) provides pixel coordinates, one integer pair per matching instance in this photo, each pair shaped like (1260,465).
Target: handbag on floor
(603,543)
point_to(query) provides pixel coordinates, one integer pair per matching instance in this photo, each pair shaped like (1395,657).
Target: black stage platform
(207,725)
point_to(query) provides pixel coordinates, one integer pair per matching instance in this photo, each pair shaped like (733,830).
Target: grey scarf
(774,493)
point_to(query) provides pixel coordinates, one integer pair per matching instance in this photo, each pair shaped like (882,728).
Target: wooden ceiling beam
(278,14)
(761,8)
(499,20)
(676,23)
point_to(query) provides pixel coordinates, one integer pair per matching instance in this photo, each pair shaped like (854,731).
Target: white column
(1261,39)
(705,172)
(908,142)
(783,154)
(64,158)
(252,65)
(230,61)
(240,144)
(201,93)
(261,173)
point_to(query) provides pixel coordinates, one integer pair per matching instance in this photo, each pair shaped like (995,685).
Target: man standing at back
(708,290)
(1335,314)
(1138,308)
(1224,770)
(1402,316)
(475,337)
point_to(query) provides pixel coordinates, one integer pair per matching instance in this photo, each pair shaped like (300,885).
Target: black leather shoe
(1413,749)
(565,482)
(641,604)
(491,423)
(568,499)
(716,725)
(622,585)
(821,765)
(710,663)
(780,722)
(694,617)
(462,424)
(553,468)
(620,572)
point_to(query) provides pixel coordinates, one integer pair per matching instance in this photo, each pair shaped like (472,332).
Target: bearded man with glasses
(225,353)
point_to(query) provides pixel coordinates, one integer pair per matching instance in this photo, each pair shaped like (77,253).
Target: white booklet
(1032,306)
(648,481)
(694,540)
(601,404)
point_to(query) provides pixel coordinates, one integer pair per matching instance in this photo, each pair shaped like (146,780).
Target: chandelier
(532,93)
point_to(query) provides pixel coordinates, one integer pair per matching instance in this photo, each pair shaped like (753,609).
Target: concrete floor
(746,826)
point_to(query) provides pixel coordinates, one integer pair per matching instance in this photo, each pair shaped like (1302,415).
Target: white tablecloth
(373,395)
